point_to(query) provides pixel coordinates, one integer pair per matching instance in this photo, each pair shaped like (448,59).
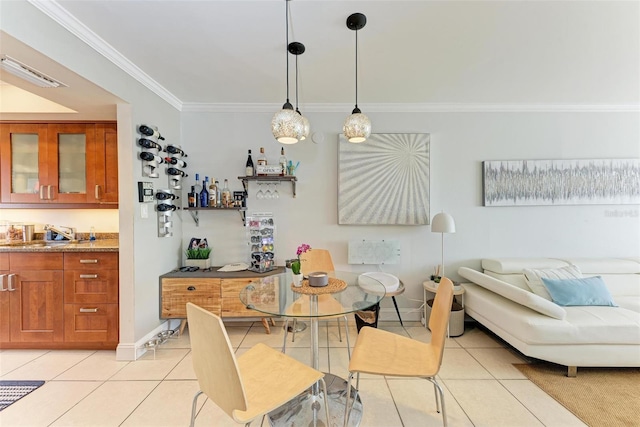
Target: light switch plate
(145,192)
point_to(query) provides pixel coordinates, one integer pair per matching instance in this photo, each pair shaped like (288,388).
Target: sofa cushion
(573,292)
(516,280)
(533,277)
(513,293)
(515,265)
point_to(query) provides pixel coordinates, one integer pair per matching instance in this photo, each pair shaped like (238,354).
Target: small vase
(297,280)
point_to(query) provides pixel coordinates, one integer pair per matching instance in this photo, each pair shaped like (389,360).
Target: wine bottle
(249,168)
(192,197)
(161,195)
(164,207)
(218,195)
(197,184)
(283,162)
(174,171)
(204,195)
(147,143)
(226,195)
(174,161)
(213,194)
(150,157)
(262,160)
(146,130)
(172,149)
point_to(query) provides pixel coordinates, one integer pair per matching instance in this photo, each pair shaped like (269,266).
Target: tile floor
(91,388)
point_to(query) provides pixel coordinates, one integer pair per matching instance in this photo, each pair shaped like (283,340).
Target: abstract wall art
(561,182)
(384,180)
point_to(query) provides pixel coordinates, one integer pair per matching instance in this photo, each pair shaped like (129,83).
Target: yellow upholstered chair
(249,386)
(310,261)
(381,352)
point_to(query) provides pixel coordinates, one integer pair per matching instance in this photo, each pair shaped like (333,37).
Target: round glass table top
(275,295)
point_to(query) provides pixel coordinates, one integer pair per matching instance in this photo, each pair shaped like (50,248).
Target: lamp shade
(443,223)
(287,126)
(357,128)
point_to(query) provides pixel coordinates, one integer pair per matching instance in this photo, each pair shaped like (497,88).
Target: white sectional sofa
(501,299)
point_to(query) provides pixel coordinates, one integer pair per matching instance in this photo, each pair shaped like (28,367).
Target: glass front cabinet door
(48,163)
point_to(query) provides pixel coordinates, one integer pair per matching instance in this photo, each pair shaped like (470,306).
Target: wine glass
(275,194)
(260,194)
(267,194)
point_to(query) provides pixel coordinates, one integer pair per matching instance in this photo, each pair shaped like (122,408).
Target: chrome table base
(306,409)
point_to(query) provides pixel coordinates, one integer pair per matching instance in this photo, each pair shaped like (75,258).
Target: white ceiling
(410,52)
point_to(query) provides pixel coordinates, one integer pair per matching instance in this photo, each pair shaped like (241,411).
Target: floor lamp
(443,223)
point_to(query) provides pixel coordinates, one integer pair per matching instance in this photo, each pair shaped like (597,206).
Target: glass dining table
(346,292)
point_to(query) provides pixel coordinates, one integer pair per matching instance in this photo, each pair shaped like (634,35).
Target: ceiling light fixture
(287,125)
(297,48)
(357,127)
(27,73)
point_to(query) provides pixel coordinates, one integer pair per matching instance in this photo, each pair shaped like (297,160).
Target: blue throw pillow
(585,291)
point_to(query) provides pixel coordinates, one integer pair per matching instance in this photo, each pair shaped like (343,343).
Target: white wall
(217,144)
(143,256)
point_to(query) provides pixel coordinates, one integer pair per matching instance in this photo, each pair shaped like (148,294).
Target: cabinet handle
(191,288)
(42,192)
(11,288)
(88,276)
(88,310)
(2,289)
(97,191)
(88,261)
(49,192)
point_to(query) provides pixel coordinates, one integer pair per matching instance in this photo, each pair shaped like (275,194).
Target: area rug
(12,391)
(598,396)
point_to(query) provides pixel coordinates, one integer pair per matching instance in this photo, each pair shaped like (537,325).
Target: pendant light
(287,125)
(357,127)
(297,48)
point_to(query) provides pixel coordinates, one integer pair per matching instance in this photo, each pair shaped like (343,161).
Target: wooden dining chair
(310,261)
(249,386)
(381,352)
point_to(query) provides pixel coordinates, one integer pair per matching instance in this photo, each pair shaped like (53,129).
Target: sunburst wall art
(384,180)
(561,182)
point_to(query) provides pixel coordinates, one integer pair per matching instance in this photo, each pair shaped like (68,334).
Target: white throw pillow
(533,277)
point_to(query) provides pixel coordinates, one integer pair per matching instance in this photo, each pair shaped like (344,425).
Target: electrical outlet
(144,211)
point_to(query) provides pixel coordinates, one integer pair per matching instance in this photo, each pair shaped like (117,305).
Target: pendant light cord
(297,83)
(356,68)
(286,47)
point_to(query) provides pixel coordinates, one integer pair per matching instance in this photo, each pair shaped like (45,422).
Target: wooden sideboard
(214,291)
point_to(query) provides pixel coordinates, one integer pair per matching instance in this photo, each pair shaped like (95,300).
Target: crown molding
(194,107)
(55,11)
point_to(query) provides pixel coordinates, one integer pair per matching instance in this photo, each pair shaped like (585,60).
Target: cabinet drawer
(4,262)
(90,260)
(27,262)
(91,286)
(233,307)
(176,293)
(91,323)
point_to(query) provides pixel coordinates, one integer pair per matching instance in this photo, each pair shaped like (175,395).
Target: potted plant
(198,257)
(295,265)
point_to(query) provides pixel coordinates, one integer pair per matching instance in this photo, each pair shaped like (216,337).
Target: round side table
(456,320)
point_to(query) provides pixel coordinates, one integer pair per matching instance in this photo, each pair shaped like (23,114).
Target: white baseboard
(133,351)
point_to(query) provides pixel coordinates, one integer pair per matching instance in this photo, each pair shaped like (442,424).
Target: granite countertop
(100,245)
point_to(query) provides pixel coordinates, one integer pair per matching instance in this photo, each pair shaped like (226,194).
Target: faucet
(69,233)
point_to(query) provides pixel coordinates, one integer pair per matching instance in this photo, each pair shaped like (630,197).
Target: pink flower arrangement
(295,265)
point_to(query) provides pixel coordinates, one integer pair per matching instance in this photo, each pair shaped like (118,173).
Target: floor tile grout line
(79,401)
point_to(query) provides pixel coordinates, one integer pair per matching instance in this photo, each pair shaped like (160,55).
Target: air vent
(27,73)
